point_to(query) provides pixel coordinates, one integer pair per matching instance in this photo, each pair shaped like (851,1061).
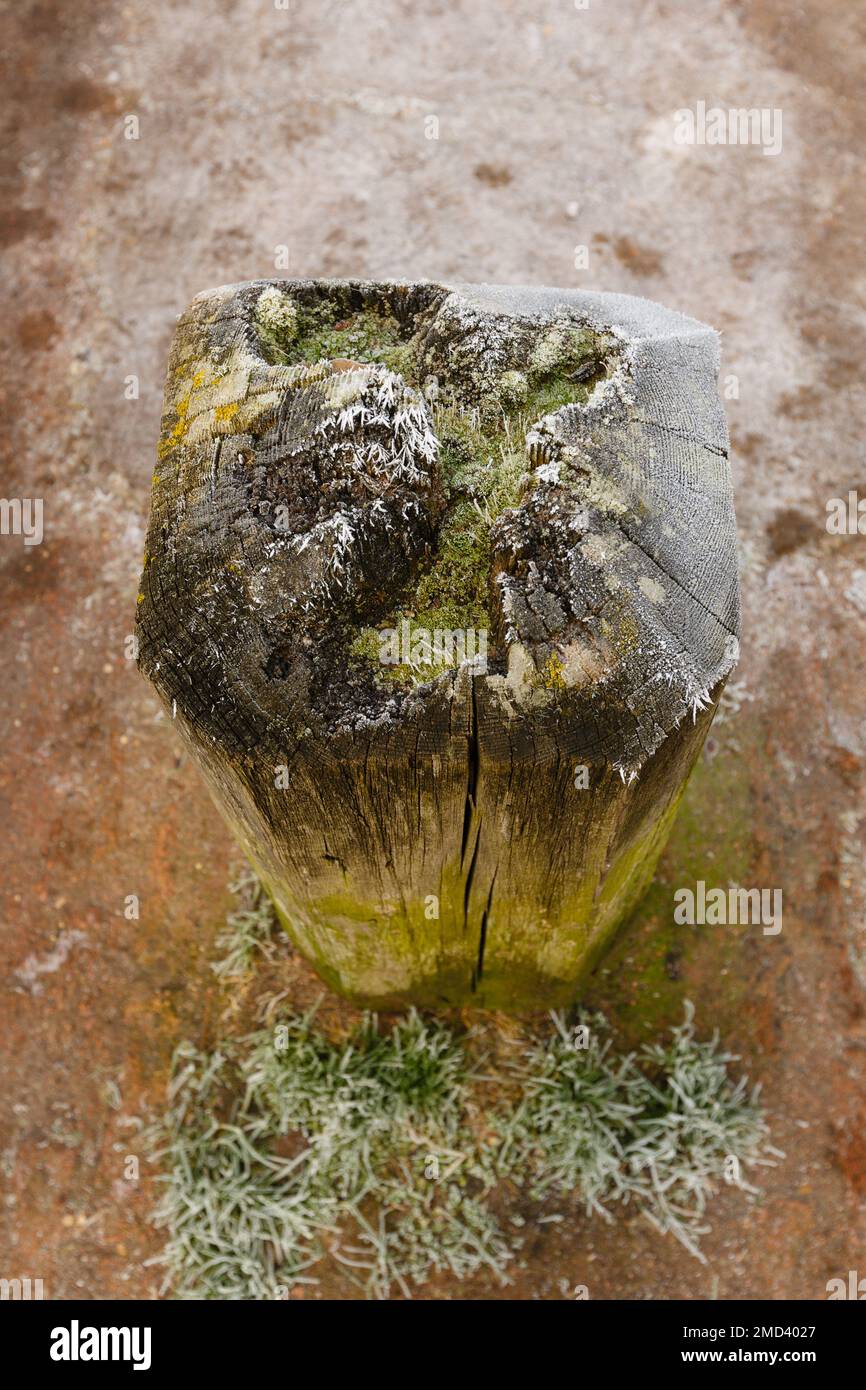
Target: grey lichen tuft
(390,1151)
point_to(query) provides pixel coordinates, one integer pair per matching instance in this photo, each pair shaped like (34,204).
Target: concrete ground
(307,128)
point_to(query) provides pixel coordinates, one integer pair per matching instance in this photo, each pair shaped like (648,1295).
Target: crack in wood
(257,634)
(478,970)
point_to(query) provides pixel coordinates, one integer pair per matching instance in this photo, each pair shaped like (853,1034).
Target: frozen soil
(305,129)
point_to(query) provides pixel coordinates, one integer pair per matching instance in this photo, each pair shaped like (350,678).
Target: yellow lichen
(553,674)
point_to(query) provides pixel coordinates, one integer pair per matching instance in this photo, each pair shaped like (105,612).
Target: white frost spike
(700,701)
(410,445)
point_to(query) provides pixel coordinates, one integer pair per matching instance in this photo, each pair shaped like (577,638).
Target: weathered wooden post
(440,585)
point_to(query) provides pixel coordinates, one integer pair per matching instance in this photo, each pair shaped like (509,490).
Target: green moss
(455,588)
(442,639)
(291,333)
(553,394)
(481,476)
(563,351)
(564,368)
(655,964)
(364,648)
(482,465)
(363,337)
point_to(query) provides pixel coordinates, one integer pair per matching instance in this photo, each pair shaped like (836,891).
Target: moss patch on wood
(483,468)
(482,459)
(481,474)
(290,332)
(655,964)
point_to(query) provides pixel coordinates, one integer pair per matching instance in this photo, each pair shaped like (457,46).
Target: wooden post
(440,588)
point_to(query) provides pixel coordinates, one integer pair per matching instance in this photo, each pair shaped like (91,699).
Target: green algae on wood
(350,472)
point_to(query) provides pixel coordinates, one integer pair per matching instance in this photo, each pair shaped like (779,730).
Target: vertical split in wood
(340,460)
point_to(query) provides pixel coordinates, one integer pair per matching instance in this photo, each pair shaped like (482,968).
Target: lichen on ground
(399,1151)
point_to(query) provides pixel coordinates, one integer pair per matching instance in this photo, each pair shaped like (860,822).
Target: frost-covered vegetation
(659,1129)
(395,1152)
